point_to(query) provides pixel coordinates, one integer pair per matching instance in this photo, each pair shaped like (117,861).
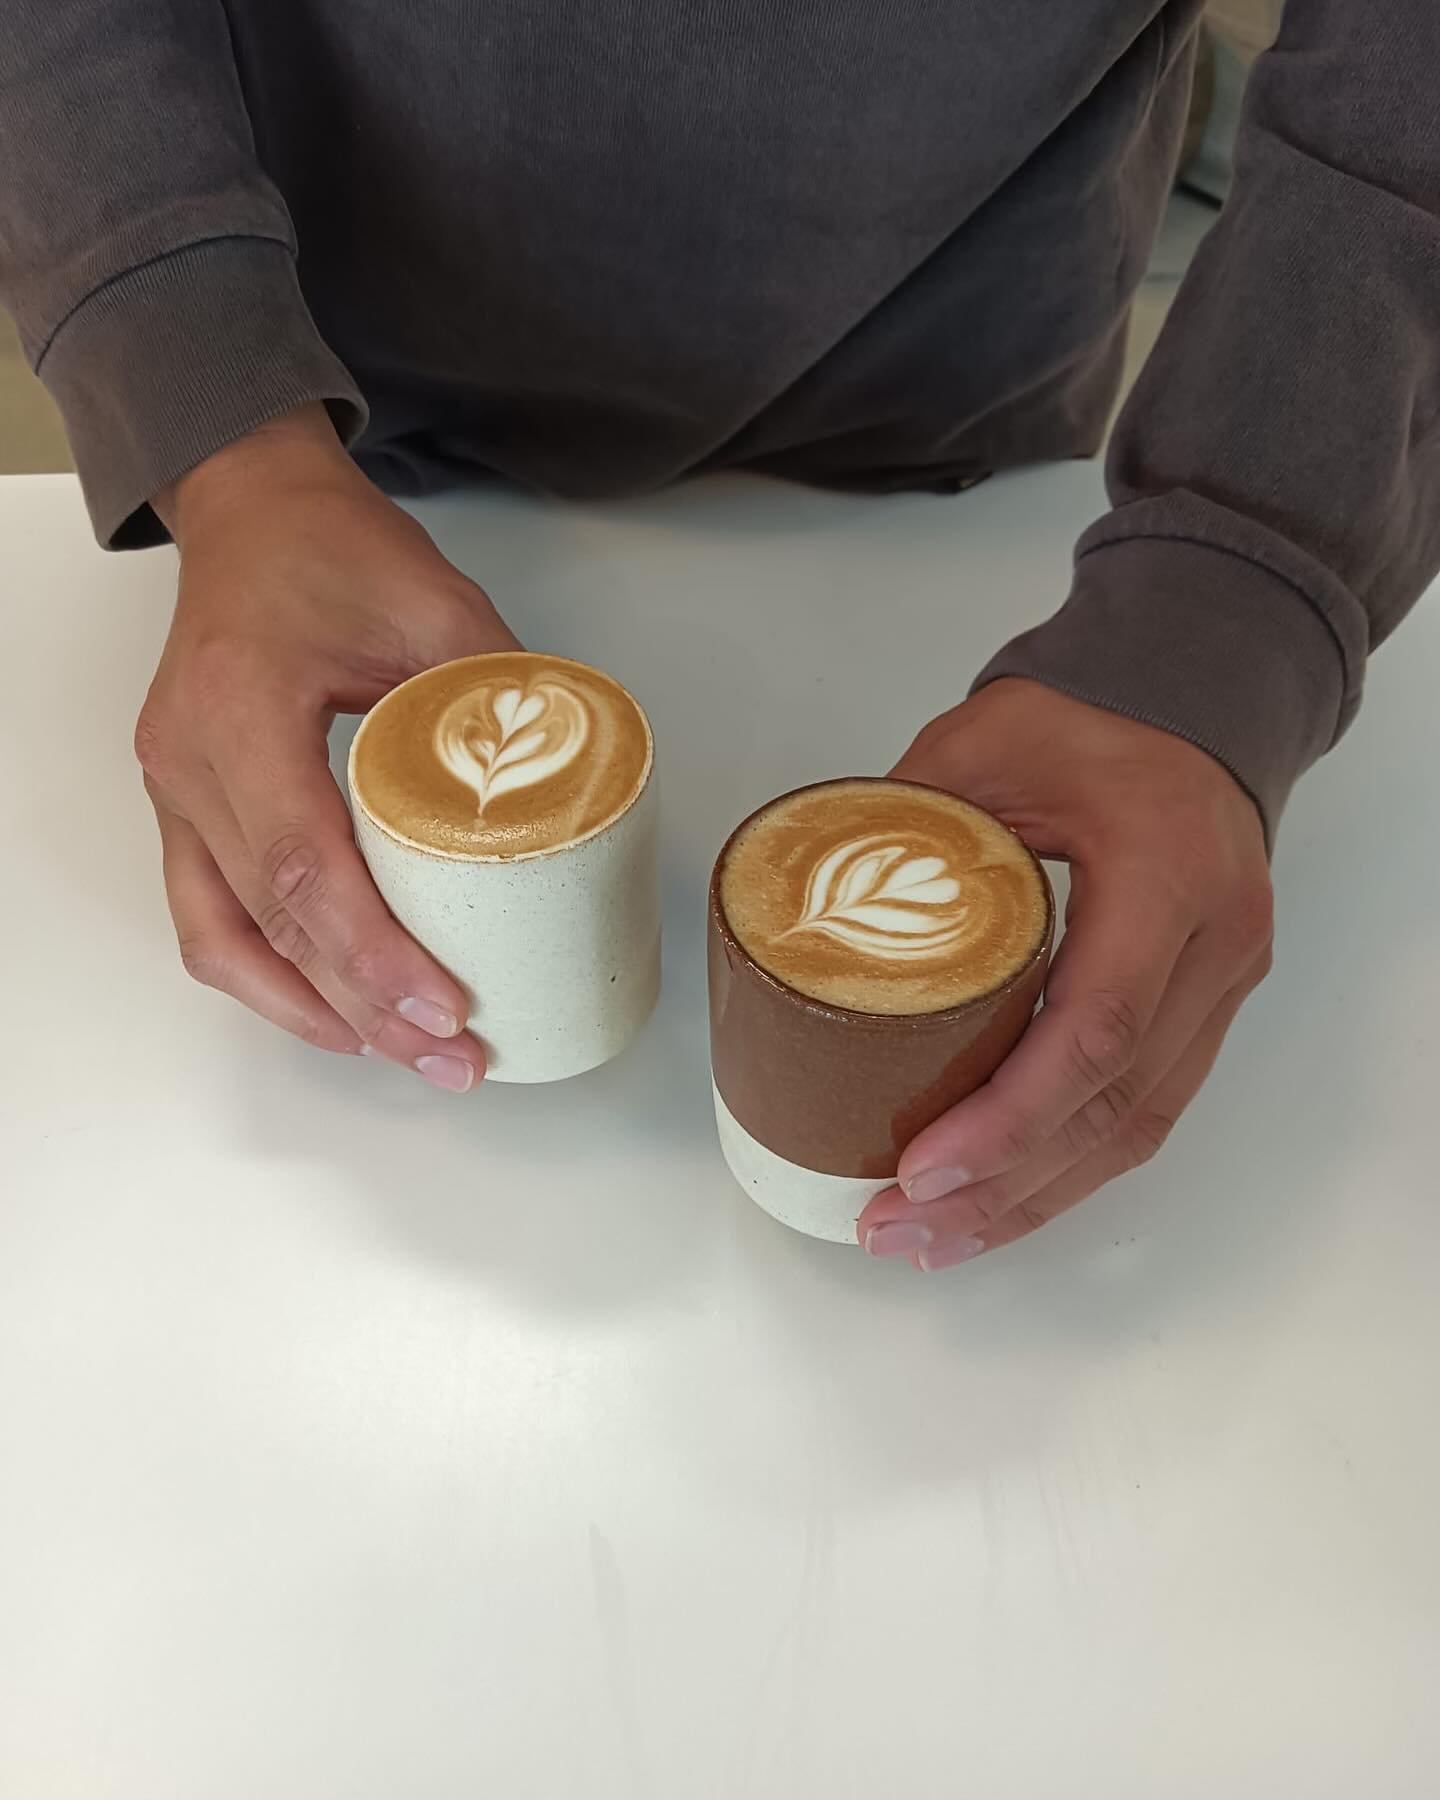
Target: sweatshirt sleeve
(1275,476)
(147,260)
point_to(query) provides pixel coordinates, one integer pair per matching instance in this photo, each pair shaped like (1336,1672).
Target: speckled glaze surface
(822,1206)
(559,952)
(817,1103)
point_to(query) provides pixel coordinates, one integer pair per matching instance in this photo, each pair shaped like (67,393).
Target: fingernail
(449,1072)
(935,1184)
(952,1251)
(367,1049)
(898,1238)
(426,1016)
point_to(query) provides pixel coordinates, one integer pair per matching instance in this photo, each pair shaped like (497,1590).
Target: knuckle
(285,935)
(935,733)
(373,1027)
(1252,914)
(1146,1136)
(1019,1139)
(317,1034)
(360,969)
(1105,1041)
(198,958)
(936,744)
(1100,1118)
(152,743)
(990,1199)
(291,870)
(1031,1215)
(457,609)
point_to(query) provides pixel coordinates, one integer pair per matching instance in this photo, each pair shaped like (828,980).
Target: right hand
(303,592)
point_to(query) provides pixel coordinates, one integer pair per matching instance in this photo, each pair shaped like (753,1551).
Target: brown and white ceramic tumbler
(876,949)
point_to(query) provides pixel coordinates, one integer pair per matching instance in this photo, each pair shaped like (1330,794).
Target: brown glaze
(500,756)
(843,1092)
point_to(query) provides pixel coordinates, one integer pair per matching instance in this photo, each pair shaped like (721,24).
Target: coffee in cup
(506,807)
(876,949)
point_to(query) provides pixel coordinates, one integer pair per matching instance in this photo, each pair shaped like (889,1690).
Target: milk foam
(499,742)
(884,897)
(878,898)
(502,756)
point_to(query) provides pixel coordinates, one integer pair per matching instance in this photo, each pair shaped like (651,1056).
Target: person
(277,263)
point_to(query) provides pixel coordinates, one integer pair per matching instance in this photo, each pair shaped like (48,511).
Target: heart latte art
(502,756)
(884,897)
(500,740)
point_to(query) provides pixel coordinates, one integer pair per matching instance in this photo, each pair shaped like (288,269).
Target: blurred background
(32,440)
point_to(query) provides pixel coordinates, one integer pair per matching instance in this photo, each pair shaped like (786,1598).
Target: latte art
(501,756)
(877,897)
(883,897)
(499,742)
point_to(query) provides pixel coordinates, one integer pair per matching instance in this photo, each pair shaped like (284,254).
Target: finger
(972,1213)
(222,947)
(452,1063)
(1100,1000)
(1202,978)
(1142,1138)
(276,779)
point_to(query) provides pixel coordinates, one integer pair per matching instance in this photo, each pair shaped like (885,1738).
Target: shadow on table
(1217,1241)
(528,1189)
(531,1195)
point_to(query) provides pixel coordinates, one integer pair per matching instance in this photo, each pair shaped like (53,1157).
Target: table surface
(358,1441)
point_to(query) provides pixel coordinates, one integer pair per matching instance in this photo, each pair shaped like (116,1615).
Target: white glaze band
(560,953)
(822,1206)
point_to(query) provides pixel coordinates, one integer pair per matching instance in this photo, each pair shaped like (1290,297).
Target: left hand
(1168,931)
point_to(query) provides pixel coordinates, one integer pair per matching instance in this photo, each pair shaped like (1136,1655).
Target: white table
(360,1443)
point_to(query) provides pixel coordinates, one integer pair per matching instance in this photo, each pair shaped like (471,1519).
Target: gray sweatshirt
(878,244)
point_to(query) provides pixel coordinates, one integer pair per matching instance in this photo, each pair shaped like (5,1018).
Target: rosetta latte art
(502,755)
(877,897)
(500,742)
(883,896)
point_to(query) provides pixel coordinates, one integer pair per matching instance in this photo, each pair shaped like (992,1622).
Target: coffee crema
(502,756)
(883,897)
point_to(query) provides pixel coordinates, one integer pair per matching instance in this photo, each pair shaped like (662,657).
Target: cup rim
(946,1016)
(406,842)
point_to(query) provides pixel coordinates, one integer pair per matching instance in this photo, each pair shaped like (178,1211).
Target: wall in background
(1249,24)
(31,438)
(1236,32)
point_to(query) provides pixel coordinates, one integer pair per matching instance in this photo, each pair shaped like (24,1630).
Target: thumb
(450,620)
(461,622)
(985,752)
(958,753)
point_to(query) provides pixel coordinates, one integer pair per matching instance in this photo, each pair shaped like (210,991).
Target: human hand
(1168,930)
(303,592)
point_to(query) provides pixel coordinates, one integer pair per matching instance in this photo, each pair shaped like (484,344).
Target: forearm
(1276,474)
(147,259)
(1298,383)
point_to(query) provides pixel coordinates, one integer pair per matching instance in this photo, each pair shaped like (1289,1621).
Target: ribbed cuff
(1200,641)
(173,360)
